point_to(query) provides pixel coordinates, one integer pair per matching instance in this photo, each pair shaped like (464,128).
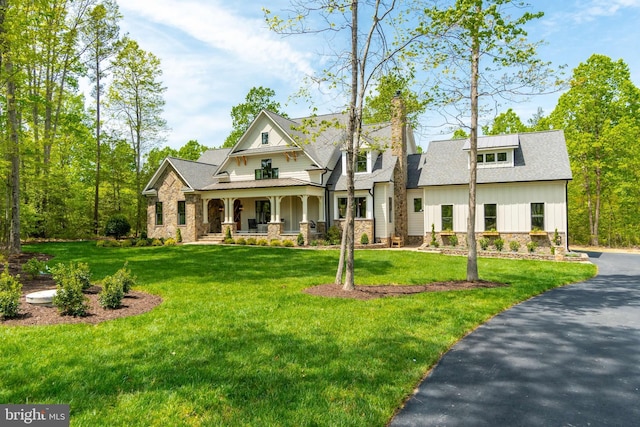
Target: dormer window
(265,138)
(499,158)
(361,162)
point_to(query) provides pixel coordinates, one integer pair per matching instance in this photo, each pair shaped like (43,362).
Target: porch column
(304,207)
(228,210)
(272,202)
(205,211)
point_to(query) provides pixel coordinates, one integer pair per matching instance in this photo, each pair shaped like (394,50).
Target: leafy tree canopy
(258,99)
(378,107)
(192,150)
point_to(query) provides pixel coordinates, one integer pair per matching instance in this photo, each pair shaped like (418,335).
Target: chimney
(399,149)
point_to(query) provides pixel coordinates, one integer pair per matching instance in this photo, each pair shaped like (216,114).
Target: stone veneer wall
(360,227)
(169,193)
(544,242)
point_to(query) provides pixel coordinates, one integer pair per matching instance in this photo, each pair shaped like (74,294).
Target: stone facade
(399,149)
(544,242)
(360,227)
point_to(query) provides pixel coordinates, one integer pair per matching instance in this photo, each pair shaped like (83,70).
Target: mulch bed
(371,292)
(133,303)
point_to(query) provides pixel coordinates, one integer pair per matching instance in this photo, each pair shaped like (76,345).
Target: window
(359,208)
(417,205)
(265,137)
(263,211)
(267,172)
(182,213)
(490,157)
(361,162)
(490,217)
(502,157)
(447,217)
(537,216)
(158,213)
(480,158)
(390,210)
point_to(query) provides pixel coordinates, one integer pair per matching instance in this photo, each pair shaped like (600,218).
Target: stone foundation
(543,241)
(360,227)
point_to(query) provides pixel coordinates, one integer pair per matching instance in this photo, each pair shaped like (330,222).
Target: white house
(286,176)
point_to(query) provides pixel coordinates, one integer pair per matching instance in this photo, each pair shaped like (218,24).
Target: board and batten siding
(384,225)
(416,219)
(513,202)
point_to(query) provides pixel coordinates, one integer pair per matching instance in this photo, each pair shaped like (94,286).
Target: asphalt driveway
(570,357)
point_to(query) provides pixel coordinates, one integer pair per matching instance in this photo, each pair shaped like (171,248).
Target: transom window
(447,217)
(182,213)
(266,172)
(537,216)
(359,208)
(490,217)
(158,213)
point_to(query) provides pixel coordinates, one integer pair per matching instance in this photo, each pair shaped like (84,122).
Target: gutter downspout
(566,205)
(372,191)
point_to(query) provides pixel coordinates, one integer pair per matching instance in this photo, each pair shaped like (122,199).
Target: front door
(215,213)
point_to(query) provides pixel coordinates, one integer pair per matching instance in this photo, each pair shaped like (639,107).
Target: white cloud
(595,9)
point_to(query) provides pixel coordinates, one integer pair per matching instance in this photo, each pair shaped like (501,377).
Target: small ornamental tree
(117,226)
(10,291)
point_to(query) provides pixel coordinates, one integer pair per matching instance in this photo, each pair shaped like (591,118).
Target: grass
(236,342)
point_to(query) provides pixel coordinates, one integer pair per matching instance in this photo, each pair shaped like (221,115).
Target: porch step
(211,238)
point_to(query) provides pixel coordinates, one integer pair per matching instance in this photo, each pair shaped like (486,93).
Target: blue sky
(214,51)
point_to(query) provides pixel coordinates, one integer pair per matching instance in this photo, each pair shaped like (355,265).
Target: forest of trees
(69,160)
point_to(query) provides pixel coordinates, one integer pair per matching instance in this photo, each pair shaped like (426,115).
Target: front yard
(236,341)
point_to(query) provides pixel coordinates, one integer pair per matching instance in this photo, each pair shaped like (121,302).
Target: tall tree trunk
(96,198)
(472,259)
(14,159)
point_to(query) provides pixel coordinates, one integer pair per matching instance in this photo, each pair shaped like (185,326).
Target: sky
(214,51)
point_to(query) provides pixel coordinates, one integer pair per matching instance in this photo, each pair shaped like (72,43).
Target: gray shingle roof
(540,156)
(382,172)
(196,174)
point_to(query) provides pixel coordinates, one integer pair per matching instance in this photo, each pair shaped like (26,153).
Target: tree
(377,108)
(192,150)
(100,34)
(362,60)
(242,115)
(135,98)
(481,51)
(600,115)
(505,123)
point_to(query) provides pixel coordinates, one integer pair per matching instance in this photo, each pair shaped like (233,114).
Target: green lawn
(236,342)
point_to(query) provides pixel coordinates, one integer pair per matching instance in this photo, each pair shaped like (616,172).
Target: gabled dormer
(365,160)
(496,151)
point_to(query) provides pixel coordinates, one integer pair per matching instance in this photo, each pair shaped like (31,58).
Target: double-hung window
(361,162)
(490,217)
(359,207)
(158,213)
(447,217)
(537,216)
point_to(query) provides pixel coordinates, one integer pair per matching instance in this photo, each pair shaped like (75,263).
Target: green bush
(288,243)
(300,239)
(117,226)
(484,243)
(262,242)
(531,246)
(170,242)
(34,267)
(251,241)
(499,244)
(434,242)
(514,245)
(334,235)
(112,293)
(229,241)
(314,243)
(10,292)
(157,242)
(557,240)
(143,241)
(275,242)
(364,239)
(101,243)
(178,236)
(453,240)
(241,241)
(227,233)
(124,277)
(126,243)
(69,298)
(63,272)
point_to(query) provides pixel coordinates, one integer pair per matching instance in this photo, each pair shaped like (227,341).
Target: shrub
(10,292)
(229,241)
(111,294)
(300,239)
(157,242)
(288,243)
(143,241)
(125,278)
(557,240)
(117,226)
(484,243)
(101,243)
(262,242)
(34,267)
(334,235)
(364,239)
(275,242)
(80,272)
(499,244)
(514,245)
(453,240)
(69,298)
(251,241)
(170,242)
(178,236)
(531,246)
(227,233)
(126,243)
(314,243)
(241,241)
